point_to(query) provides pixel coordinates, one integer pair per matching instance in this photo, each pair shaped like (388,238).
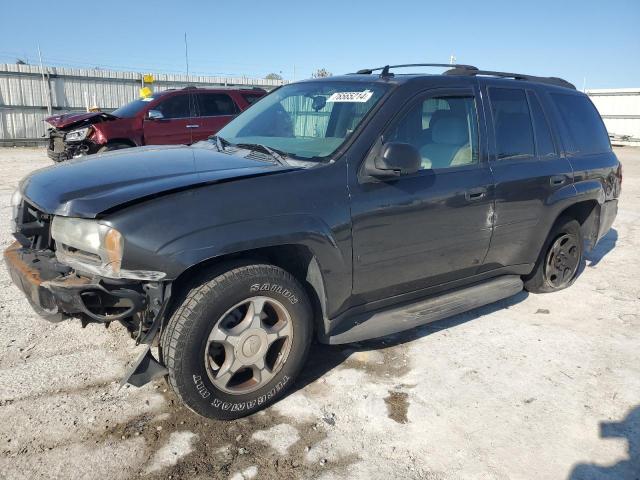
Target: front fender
(218,240)
(333,284)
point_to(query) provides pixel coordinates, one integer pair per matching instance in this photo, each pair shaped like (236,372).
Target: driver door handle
(556,180)
(193,126)
(475,194)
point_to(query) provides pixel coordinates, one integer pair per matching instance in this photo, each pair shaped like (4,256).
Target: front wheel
(560,259)
(238,341)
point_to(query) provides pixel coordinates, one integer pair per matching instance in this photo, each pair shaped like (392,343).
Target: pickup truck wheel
(238,341)
(560,260)
(113,146)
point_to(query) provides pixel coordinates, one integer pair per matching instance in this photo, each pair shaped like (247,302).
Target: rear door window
(544,141)
(512,121)
(215,104)
(176,106)
(584,128)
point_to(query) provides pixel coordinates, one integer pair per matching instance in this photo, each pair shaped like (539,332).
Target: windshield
(131,109)
(305,120)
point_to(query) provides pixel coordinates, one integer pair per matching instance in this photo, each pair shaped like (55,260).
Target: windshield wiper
(220,142)
(276,154)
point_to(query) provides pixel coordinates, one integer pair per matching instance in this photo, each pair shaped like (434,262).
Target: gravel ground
(537,386)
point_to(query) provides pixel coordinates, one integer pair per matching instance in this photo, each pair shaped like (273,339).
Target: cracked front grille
(33,227)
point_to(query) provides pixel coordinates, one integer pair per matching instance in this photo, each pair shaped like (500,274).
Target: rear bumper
(56,293)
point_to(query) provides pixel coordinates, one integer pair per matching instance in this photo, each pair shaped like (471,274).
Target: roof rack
(385,69)
(559,82)
(470,70)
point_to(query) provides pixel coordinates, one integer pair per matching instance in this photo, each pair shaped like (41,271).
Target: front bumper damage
(58,293)
(59,150)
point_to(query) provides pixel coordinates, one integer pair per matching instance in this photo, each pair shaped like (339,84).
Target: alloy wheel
(248,345)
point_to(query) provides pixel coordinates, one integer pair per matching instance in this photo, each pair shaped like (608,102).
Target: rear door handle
(556,180)
(475,193)
(193,126)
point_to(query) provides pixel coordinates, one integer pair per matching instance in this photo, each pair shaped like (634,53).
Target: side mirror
(396,159)
(155,115)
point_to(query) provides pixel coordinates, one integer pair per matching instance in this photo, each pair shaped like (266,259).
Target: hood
(88,186)
(78,119)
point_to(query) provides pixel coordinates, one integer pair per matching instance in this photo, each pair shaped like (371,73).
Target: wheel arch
(126,141)
(296,259)
(587,213)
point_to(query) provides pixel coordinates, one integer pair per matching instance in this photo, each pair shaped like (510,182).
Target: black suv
(340,209)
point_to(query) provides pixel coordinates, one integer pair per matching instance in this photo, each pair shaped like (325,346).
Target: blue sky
(578,40)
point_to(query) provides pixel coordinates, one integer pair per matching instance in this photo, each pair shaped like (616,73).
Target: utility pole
(186,54)
(45,85)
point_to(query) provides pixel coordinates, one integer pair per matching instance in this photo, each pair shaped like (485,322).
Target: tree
(321,73)
(273,76)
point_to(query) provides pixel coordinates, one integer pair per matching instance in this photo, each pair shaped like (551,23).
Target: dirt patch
(222,449)
(397,406)
(381,359)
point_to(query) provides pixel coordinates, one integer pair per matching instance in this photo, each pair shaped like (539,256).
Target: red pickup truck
(181,116)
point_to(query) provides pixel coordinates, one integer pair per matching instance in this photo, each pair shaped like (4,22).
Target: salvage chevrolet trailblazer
(337,209)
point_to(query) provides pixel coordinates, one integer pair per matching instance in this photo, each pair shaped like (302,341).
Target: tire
(561,259)
(113,146)
(214,331)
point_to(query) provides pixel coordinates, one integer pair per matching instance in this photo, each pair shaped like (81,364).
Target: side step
(367,325)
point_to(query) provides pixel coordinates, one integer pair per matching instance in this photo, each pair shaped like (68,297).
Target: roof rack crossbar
(559,82)
(386,68)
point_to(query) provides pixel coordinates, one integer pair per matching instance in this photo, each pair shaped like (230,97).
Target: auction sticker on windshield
(350,96)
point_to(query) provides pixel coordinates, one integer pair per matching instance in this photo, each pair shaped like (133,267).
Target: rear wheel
(238,341)
(113,146)
(560,260)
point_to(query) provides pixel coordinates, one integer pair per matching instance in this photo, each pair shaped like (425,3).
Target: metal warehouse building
(27,94)
(620,110)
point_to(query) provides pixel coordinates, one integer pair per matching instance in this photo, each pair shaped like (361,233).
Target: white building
(620,110)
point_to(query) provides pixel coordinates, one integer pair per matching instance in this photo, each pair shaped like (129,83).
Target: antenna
(186,54)
(452,59)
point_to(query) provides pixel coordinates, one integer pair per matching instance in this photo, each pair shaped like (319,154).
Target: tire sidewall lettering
(250,404)
(200,387)
(274,288)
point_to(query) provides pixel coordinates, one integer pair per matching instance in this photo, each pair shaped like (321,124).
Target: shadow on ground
(604,246)
(629,429)
(324,358)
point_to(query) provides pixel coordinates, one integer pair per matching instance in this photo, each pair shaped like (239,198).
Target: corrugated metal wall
(620,110)
(24,96)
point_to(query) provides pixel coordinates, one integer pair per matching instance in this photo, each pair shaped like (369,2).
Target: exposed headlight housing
(77,135)
(92,247)
(16,201)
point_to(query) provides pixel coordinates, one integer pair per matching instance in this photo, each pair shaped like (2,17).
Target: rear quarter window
(584,130)
(214,104)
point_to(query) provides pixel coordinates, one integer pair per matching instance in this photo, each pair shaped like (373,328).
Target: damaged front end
(71,134)
(60,149)
(58,292)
